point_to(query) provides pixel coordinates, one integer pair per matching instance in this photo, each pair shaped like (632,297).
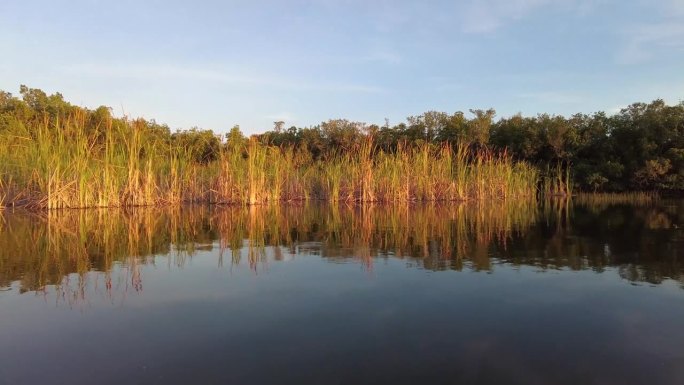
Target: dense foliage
(639,148)
(55,154)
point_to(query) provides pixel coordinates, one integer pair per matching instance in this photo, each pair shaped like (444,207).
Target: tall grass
(426,173)
(3,194)
(55,164)
(557,180)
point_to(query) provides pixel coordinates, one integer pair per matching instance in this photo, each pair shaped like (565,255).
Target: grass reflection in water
(103,250)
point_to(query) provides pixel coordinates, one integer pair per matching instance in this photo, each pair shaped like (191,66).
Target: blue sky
(214,64)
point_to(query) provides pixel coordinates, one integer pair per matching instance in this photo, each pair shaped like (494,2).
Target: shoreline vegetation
(55,155)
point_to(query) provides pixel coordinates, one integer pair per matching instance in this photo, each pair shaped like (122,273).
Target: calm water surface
(555,293)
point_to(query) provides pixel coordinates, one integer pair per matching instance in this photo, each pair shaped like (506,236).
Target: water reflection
(641,242)
(554,293)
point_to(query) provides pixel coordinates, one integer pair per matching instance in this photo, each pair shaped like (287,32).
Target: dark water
(556,293)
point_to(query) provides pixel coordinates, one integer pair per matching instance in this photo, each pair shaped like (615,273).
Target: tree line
(639,148)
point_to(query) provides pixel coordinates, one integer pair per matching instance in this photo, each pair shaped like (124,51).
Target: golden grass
(59,164)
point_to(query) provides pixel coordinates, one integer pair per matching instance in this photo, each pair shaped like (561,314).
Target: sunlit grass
(59,164)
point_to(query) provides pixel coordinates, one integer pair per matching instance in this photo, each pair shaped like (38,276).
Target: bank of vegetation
(57,155)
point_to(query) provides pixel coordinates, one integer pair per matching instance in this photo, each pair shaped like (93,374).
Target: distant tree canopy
(639,148)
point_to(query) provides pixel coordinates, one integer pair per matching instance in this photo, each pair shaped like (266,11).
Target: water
(557,293)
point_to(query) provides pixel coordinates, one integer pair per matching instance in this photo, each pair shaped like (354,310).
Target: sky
(215,64)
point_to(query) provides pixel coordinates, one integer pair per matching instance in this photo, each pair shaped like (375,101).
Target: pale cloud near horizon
(677,6)
(484,16)
(556,97)
(481,16)
(167,72)
(644,41)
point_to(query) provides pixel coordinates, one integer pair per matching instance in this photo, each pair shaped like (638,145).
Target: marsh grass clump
(65,163)
(54,155)
(557,180)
